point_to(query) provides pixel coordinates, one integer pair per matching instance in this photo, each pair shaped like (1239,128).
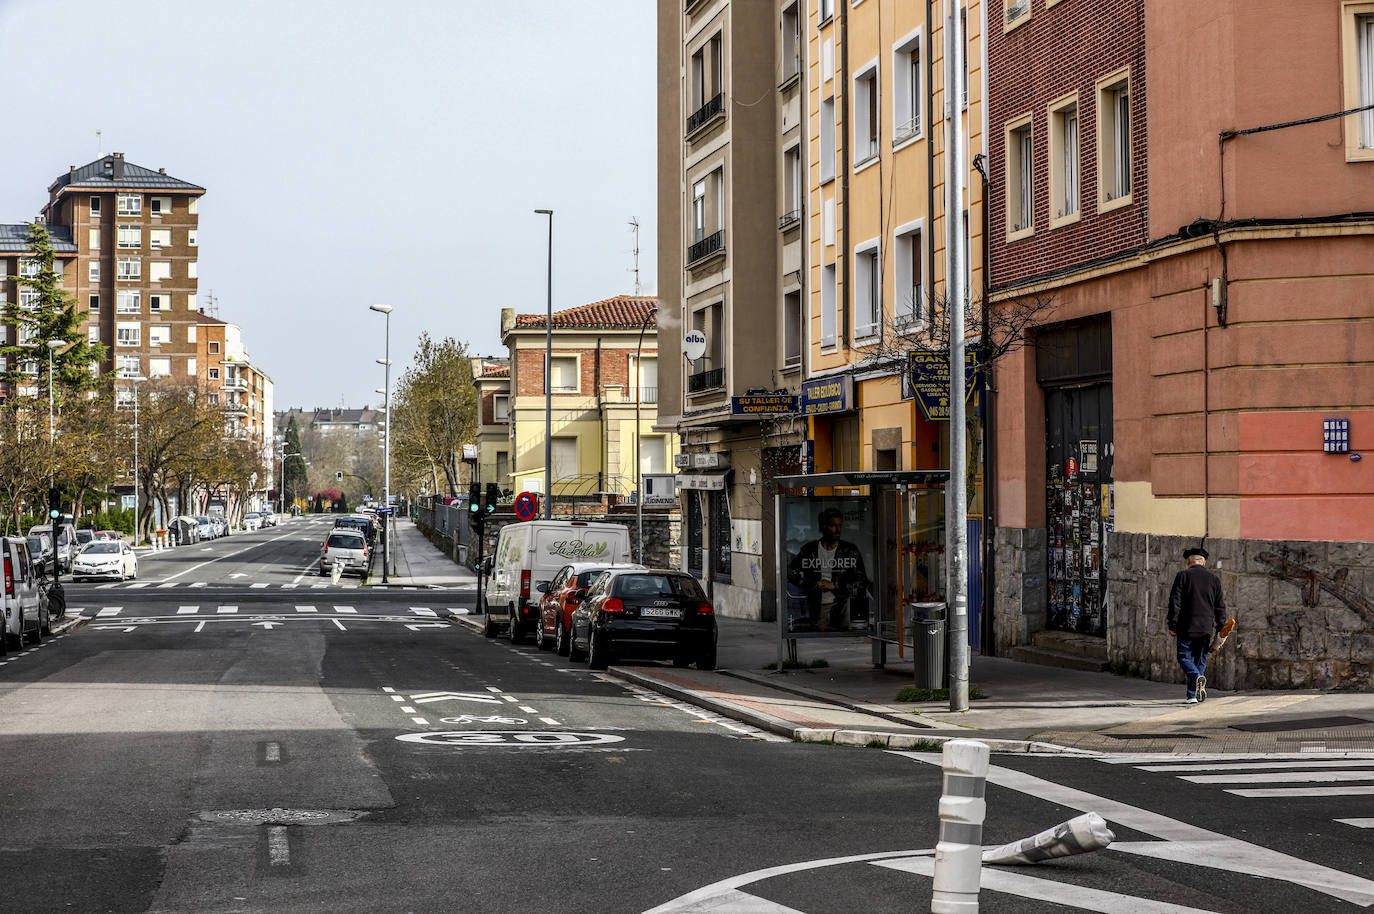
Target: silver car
(347,549)
(24,606)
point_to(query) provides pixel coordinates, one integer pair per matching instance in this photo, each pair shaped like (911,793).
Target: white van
(530,554)
(25,608)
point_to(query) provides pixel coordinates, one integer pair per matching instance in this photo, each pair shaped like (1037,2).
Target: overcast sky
(356,151)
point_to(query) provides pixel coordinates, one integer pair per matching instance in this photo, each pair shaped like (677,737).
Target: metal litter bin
(928,644)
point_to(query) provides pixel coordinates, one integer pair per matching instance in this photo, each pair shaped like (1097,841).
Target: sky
(357,152)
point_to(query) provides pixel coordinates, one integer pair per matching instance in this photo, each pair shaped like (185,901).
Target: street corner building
(1175,239)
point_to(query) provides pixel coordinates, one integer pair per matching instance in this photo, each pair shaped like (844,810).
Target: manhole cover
(1301,723)
(278,815)
(1155,736)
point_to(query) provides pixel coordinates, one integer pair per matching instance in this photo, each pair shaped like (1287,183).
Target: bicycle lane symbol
(470,719)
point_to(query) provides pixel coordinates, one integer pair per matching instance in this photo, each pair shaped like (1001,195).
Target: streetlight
(281,493)
(639,392)
(548,381)
(53,346)
(136,381)
(386,443)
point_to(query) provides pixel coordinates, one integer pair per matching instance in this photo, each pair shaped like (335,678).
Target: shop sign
(929,378)
(763,404)
(702,482)
(820,396)
(660,490)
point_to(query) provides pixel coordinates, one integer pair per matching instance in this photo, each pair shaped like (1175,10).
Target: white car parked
(105,559)
(252,521)
(25,607)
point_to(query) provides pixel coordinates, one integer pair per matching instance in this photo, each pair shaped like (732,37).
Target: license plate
(660,613)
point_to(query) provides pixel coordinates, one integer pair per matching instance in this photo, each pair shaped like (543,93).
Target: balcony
(235,384)
(706,248)
(689,5)
(789,219)
(648,395)
(906,131)
(703,381)
(714,108)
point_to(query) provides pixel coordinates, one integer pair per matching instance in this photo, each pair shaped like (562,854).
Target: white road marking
(272,752)
(424,611)
(345,609)
(201,626)
(1358,823)
(493,689)
(106,586)
(339,625)
(387,689)
(319,586)
(306,609)
(1183,842)
(278,846)
(199,584)
(1279,777)
(528,710)
(225,556)
(1143,758)
(1288,793)
(138,585)
(422,698)
(259,585)
(226,610)
(187,610)
(291,586)
(109,611)
(550,721)
(421,721)
(510,698)
(1049,890)
(407,709)
(1255,766)
(166,585)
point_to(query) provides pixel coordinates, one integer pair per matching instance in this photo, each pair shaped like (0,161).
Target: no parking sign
(526,506)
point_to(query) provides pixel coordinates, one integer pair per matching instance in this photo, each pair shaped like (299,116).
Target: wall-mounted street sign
(711,460)
(694,345)
(929,374)
(660,490)
(763,404)
(827,395)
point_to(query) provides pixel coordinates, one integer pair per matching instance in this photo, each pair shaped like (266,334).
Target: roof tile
(626,312)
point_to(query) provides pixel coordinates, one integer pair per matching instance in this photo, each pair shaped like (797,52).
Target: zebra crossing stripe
(344,609)
(187,610)
(424,611)
(306,609)
(1256,766)
(166,584)
(227,610)
(109,611)
(139,585)
(259,586)
(198,584)
(1290,793)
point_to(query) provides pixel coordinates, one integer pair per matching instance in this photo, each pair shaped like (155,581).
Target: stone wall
(1303,610)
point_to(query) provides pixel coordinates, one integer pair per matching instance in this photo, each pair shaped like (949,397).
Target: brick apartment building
(491,378)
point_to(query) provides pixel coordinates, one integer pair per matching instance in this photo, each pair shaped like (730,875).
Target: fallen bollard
(958,855)
(1079,835)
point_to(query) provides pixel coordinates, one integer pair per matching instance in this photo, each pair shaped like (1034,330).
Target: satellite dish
(694,345)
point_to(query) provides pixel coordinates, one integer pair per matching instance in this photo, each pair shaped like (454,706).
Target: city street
(232,733)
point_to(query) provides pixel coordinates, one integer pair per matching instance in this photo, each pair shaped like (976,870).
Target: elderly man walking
(1197,610)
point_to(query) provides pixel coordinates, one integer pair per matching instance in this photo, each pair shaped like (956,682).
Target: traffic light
(339,476)
(493,496)
(475,498)
(54,503)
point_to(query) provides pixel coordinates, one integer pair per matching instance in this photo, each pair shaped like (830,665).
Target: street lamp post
(53,346)
(281,493)
(136,381)
(386,443)
(639,464)
(548,380)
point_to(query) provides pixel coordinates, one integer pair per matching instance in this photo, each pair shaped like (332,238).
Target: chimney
(119,166)
(162,171)
(507,320)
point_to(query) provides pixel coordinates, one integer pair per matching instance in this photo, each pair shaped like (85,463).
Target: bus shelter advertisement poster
(828,545)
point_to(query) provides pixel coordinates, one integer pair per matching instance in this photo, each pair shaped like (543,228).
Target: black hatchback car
(651,613)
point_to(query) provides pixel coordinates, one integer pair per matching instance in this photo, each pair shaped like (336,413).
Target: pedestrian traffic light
(475,498)
(54,503)
(493,496)
(339,476)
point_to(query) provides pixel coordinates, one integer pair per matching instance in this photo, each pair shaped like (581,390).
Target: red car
(561,596)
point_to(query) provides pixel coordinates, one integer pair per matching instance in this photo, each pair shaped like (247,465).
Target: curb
(829,698)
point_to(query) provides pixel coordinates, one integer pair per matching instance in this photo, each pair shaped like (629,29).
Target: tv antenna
(634,227)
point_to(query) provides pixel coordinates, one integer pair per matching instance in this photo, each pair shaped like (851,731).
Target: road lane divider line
(493,689)
(227,555)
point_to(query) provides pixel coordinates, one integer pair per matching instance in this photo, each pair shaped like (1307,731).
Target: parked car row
(601,608)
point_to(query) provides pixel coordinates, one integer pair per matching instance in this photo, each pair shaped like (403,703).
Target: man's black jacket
(1196,607)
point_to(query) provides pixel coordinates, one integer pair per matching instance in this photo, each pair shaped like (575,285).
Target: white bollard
(1080,835)
(959,853)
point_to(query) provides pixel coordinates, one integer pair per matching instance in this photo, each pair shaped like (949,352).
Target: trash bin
(928,644)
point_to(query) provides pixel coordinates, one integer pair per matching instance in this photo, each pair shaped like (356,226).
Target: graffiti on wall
(1312,582)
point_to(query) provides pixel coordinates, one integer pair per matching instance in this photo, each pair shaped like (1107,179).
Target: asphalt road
(233,733)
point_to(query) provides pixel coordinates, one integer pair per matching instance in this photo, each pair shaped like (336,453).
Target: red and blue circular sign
(526,506)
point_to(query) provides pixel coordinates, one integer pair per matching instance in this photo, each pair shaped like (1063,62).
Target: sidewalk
(416,562)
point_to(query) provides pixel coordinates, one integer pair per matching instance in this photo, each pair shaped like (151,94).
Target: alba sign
(694,345)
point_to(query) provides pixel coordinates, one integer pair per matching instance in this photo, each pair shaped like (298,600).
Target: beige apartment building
(491,378)
(233,382)
(732,264)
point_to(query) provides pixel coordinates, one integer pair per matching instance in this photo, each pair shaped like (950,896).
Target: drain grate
(1301,723)
(278,815)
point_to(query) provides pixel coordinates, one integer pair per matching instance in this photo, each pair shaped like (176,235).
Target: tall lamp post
(386,442)
(53,346)
(548,380)
(639,393)
(281,493)
(139,379)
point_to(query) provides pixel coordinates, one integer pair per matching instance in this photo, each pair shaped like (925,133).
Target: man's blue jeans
(1192,656)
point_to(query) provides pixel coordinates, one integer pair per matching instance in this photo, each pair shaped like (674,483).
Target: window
(706,72)
(159,270)
(214,374)
(160,367)
(159,238)
(791,43)
(28,268)
(191,237)
(191,302)
(214,346)
(564,458)
(500,408)
(1357,44)
(907,94)
(159,206)
(792,184)
(1064,152)
(129,205)
(866,114)
(698,211)
(191,367)
(868,290)
(191,270)
(563,375)
(92,334)
(502,465)
(130,236)
(29,298)
(828,295)
(159,334)
(128,269)
(1020,187)
(27,332)
(720,536)
(963,30)
(653,454)
(95,207)
(191,333)
(909,276)
(709,321)
(792,324)
(214,399)
(828,140)
(846,446)
(29,367)
(59,271)
(93,271)
(1114,142)
(825,11)
(1015,12)
(130,334)
(93,303)
(128,301)
(128,366)
(193,205)
(644,378)
(93,239)
(158,302)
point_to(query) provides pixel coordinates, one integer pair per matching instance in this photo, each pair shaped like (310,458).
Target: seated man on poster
(830,572)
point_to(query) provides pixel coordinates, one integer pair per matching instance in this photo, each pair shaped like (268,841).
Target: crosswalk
(258,585)
(418,612)
(1274,776)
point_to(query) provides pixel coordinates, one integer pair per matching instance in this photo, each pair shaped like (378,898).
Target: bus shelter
(859,555)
